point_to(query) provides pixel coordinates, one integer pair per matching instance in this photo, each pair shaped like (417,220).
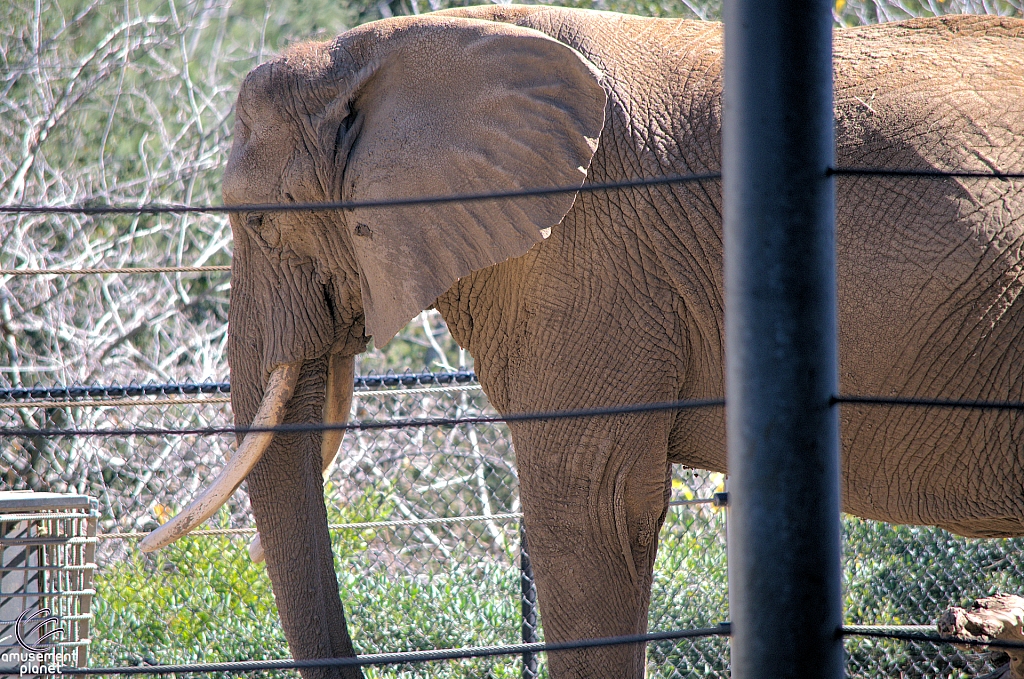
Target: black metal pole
(781,337)
(528,593)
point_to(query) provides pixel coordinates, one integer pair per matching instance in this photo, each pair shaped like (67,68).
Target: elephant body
(623,303)
(615,297)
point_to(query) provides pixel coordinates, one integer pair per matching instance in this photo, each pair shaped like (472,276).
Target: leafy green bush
(198,600)
(690,590)
(907,575)
(202,600)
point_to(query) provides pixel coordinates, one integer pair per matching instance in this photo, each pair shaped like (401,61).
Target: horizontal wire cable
(155,209)
(414,423)
(462,198)
(118,403)
(885,172)
(424,390)
(47,397)
(361,382)
(366,525)
(370,425)
(126,270)
(898,633)
(112,391)
(928,402)
(140,403)
(406,657)
(872,630)
(695,501)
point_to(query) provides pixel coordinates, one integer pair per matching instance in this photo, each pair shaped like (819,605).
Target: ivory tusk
(256,554)
(341,371)
(279,391)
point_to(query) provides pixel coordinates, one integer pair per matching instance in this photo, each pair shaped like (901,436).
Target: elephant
(602,298)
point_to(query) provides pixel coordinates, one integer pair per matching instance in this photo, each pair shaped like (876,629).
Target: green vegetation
(907,575)
(202,600)
(690,590)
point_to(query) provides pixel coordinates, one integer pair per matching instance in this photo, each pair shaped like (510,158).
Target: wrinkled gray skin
(623,302)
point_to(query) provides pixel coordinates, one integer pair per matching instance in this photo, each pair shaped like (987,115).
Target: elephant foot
(999,617)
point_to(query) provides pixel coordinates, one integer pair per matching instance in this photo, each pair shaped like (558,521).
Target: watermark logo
(38,657)
(34,622)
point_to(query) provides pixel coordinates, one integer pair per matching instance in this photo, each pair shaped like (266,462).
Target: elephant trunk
(285,477)
(340,378)
(286,494)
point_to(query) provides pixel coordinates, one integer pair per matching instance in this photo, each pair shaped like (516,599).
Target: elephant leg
(594,494)
(999,617)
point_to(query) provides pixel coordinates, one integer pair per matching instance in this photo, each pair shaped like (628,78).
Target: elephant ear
(457,106)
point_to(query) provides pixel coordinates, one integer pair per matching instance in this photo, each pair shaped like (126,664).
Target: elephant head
(407,107)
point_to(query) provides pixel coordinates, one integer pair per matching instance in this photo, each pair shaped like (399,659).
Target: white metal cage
(47,560)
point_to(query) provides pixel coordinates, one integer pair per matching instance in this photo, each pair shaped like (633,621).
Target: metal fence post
(781,338)
(528,594)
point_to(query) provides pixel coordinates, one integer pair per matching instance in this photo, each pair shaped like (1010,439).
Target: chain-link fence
(426,530)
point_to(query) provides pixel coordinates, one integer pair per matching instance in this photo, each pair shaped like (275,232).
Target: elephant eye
(264,230)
